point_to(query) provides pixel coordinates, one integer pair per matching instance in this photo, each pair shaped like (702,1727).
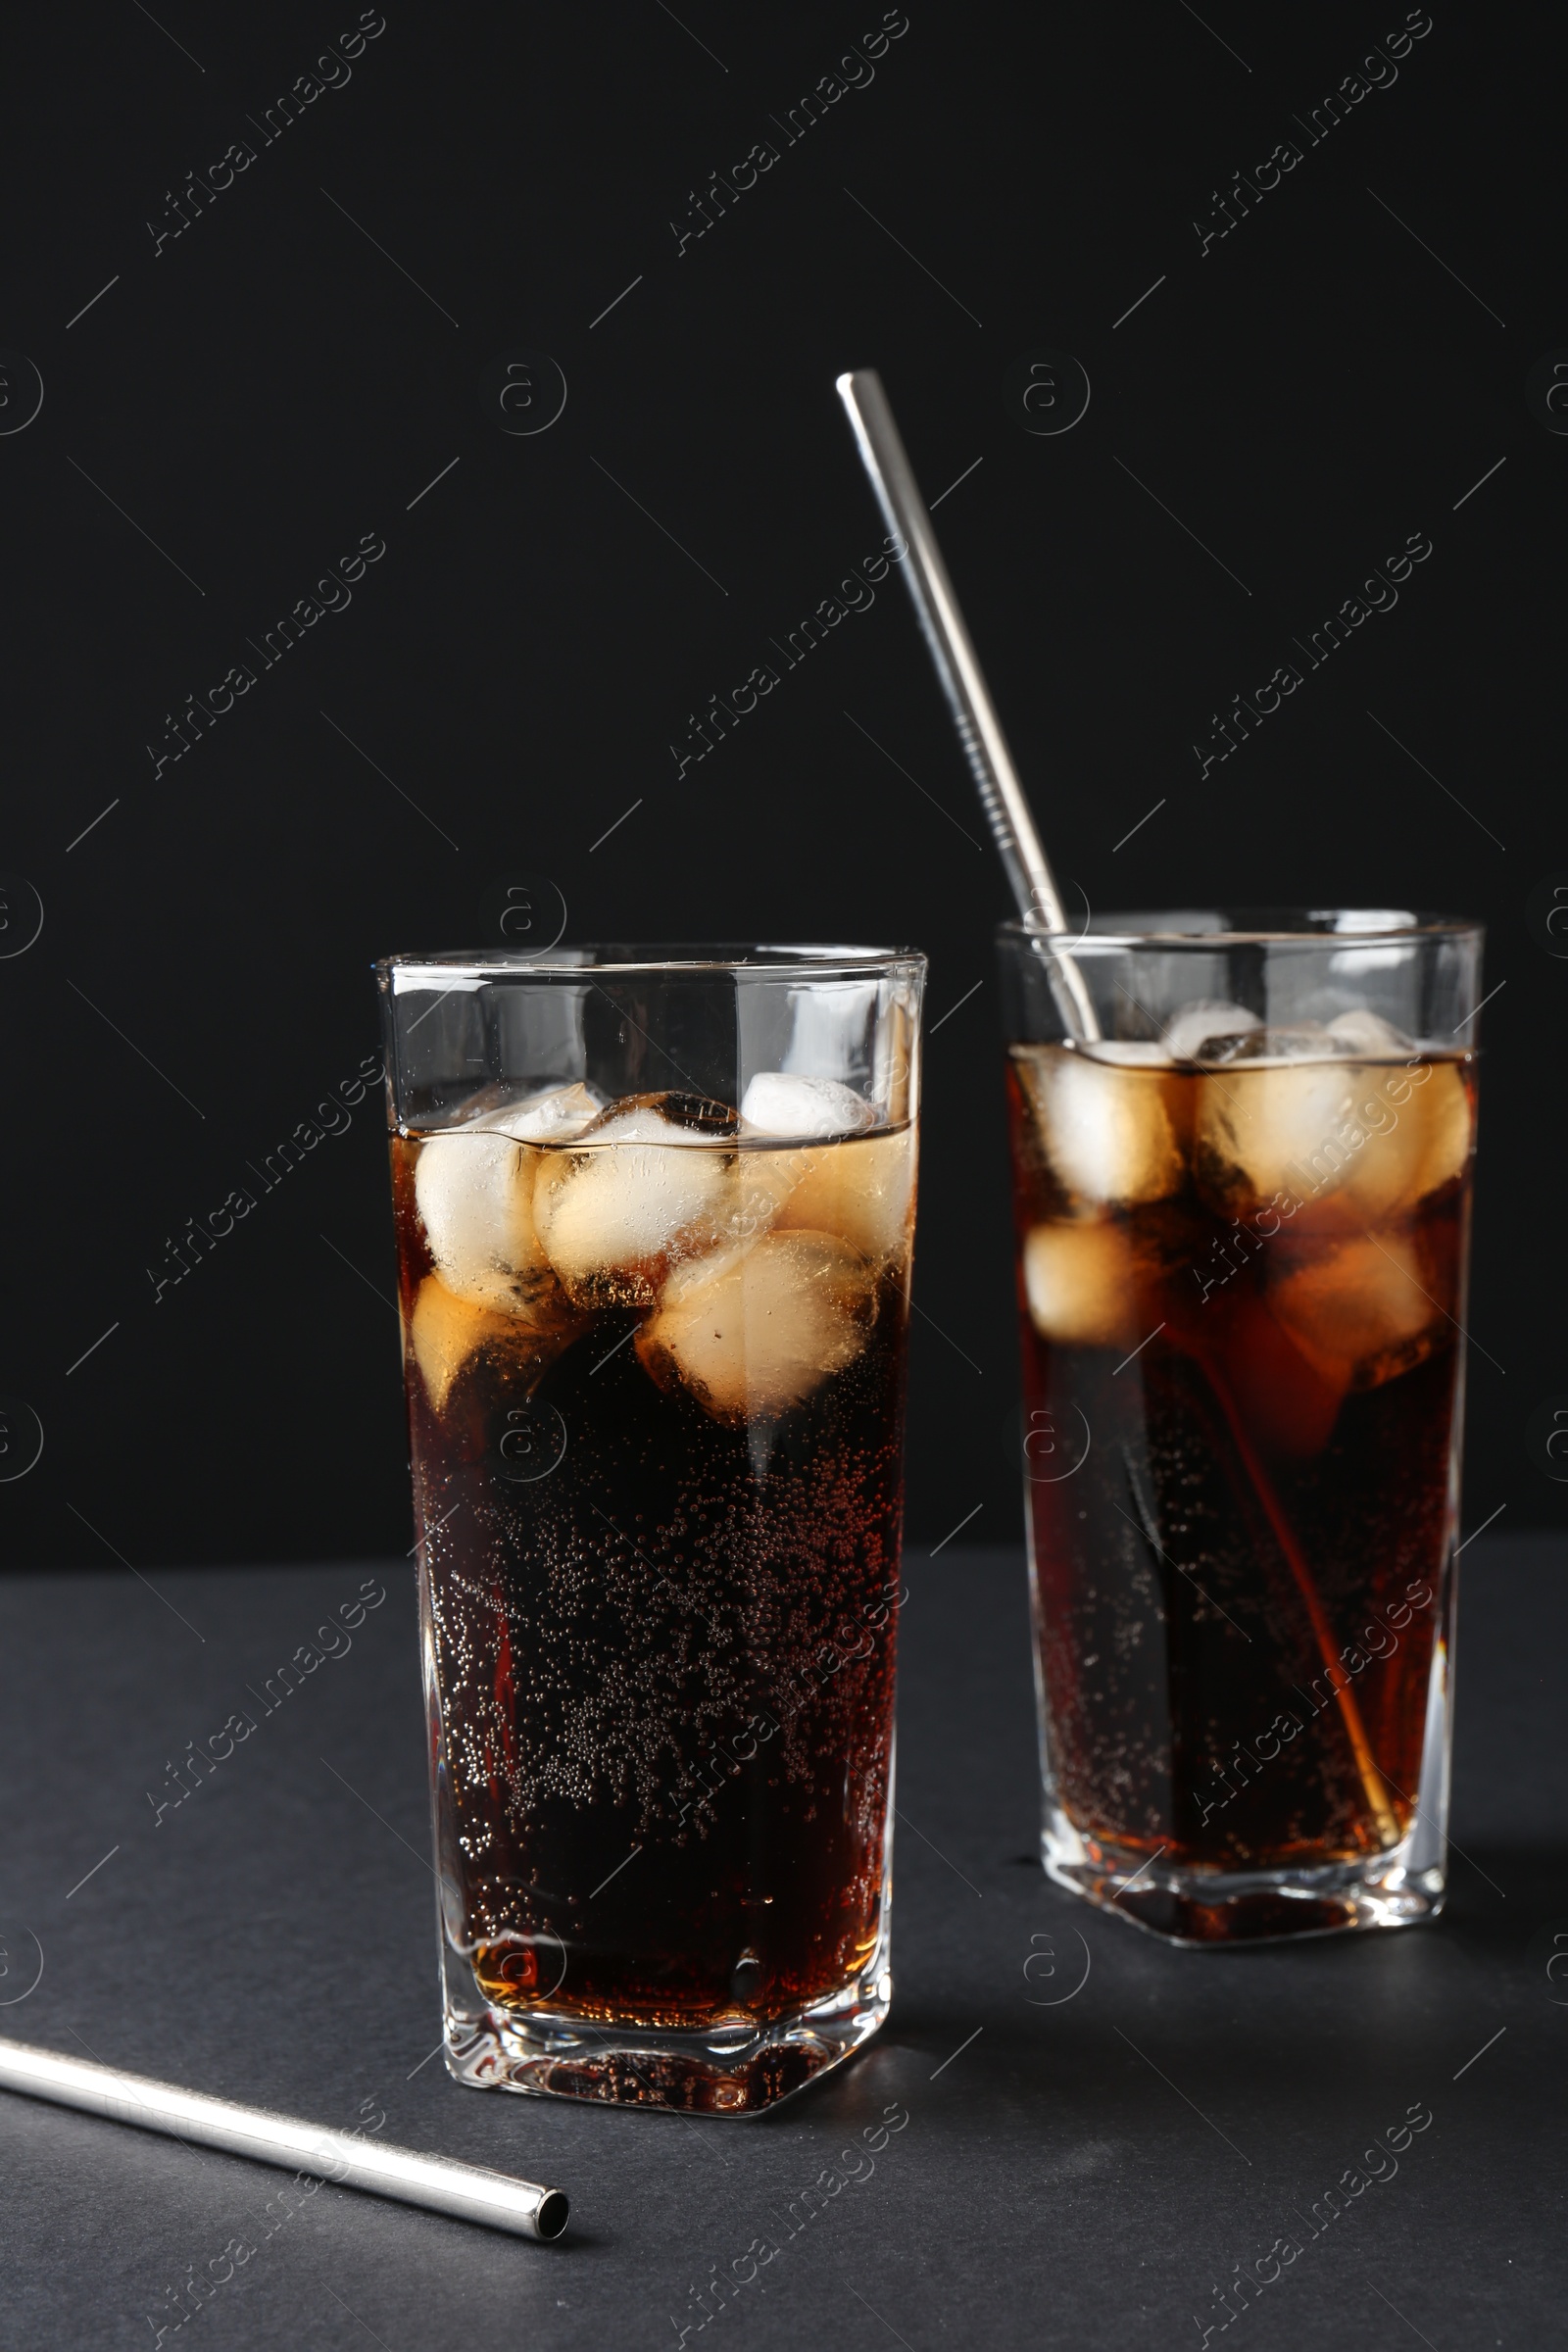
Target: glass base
(726,2068)
(1396,1889)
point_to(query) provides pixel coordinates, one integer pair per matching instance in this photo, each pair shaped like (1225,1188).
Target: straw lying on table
(467,2191)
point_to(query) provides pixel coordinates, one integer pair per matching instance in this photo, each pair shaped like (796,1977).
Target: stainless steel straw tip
(957,667)
(554,2213)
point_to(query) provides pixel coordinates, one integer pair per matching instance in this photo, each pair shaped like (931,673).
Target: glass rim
(647,958)
(1176,928)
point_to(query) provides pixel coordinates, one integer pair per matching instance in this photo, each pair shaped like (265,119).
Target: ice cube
(1279,1041)
(1349,1143)
(1084,1285)
(783,1102)
(1366,1033)
(752,1331)
(1439,1114)
(1106,1131)
(1267,1137)
(649,1187)
(561,1110)
(861,1190)
(1361,1311)
(1416,1120)
(446,1332)
(474,1188)
(1188,1032)
(663,1118)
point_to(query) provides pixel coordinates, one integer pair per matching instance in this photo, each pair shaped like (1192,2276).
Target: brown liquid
(664,1667)
(1239,1585)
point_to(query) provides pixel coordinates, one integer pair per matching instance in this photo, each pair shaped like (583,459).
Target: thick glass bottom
(1398,1888)
(728,2068)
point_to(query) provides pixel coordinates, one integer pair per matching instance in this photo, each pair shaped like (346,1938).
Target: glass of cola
(1243,1218)
(654,1209)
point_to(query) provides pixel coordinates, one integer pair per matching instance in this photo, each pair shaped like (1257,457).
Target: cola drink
(1241,1255)
(655,1367)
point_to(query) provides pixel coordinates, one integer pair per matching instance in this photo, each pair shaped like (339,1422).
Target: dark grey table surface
(1084,2161)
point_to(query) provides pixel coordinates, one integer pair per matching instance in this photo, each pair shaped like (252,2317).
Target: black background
(270,385)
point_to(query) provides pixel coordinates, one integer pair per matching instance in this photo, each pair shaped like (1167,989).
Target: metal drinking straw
(1028,868)
(469,2191)
(974,713)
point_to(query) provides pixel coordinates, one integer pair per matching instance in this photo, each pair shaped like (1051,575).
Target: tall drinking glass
(1242,1220)
(654,1209)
